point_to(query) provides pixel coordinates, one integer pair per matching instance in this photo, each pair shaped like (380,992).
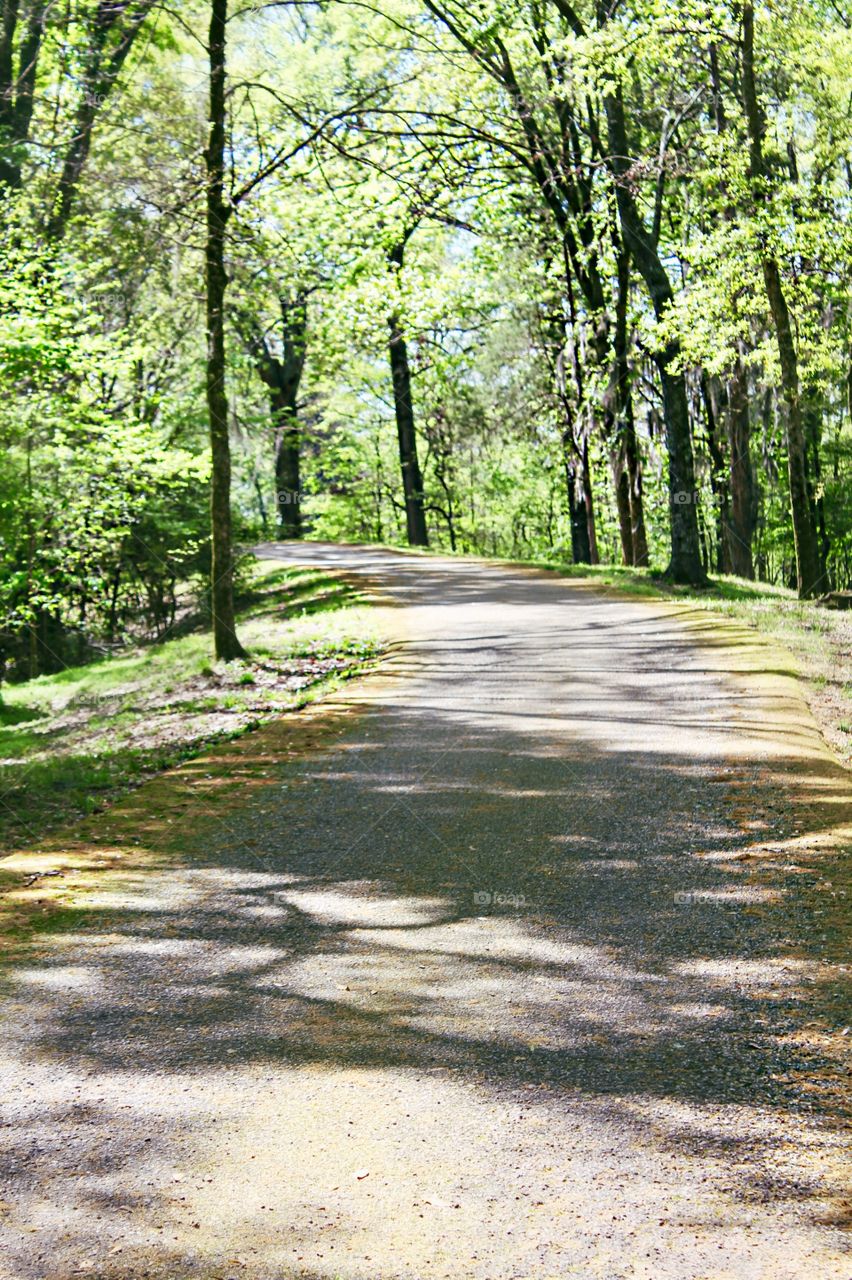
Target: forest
(425,639)
(522,278)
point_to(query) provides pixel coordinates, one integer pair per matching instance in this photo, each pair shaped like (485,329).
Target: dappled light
(462,937)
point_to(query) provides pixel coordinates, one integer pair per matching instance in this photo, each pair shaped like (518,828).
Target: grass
(71,743)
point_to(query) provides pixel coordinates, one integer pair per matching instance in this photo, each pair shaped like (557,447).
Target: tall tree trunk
(17,84)
(283,375)
(622,502)
(287,467)
(718,484)
(629,465)
(685,564)
(581,552)
(742,517)
(288,443)
(634,475)
(101,71)
(581,499)
(226,644)
(588,503)
(813,431)
(412,479)
(808,573)
(742,508)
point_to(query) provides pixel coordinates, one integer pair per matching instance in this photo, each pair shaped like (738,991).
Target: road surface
(509,976)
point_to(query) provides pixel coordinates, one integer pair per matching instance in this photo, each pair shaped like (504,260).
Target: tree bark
(288,480)
(808,573)
(102,69)
(634,475)
(685,565)
(588,503)
(812,421)
(17,83)
(581,551)
(412,479)
(622,500)
(718,483)
(742,511)
(287,468)
(226,644)
(283,375)
(629,466)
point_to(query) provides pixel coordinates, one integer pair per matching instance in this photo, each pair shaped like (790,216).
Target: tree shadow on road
(625,933)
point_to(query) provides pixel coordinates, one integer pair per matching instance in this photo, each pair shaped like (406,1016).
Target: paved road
(505,978)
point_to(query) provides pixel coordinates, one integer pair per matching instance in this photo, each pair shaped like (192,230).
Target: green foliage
(101,516)
(395,130)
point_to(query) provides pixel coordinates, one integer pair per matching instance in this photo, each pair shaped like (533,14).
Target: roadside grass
(71,743)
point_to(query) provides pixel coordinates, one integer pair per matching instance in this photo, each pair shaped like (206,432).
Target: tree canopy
(520,278)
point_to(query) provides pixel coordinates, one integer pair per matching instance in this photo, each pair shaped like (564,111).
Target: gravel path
(529,968)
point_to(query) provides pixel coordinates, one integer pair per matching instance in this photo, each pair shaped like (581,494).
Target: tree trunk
(119,21)
(634,475)
(622,500)
(742,512)
(742,518)
(588,504)
(808,574)
(813,432)
(718,483)
(283,375)
(629,466)
(17,84)
(685,564)
(287,467)
(581,552)
(226,644)
(412,480)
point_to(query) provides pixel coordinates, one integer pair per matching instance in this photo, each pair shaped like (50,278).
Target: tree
(281,372)
(412,480)
(608,283)
(685,564)
(809,574)
(225,641)
(561,147)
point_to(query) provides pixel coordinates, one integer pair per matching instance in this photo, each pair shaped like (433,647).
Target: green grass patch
(70,743)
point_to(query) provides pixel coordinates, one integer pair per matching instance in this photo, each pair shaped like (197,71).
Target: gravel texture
(531,966)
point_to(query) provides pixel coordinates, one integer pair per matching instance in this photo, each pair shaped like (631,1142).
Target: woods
(541,280)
